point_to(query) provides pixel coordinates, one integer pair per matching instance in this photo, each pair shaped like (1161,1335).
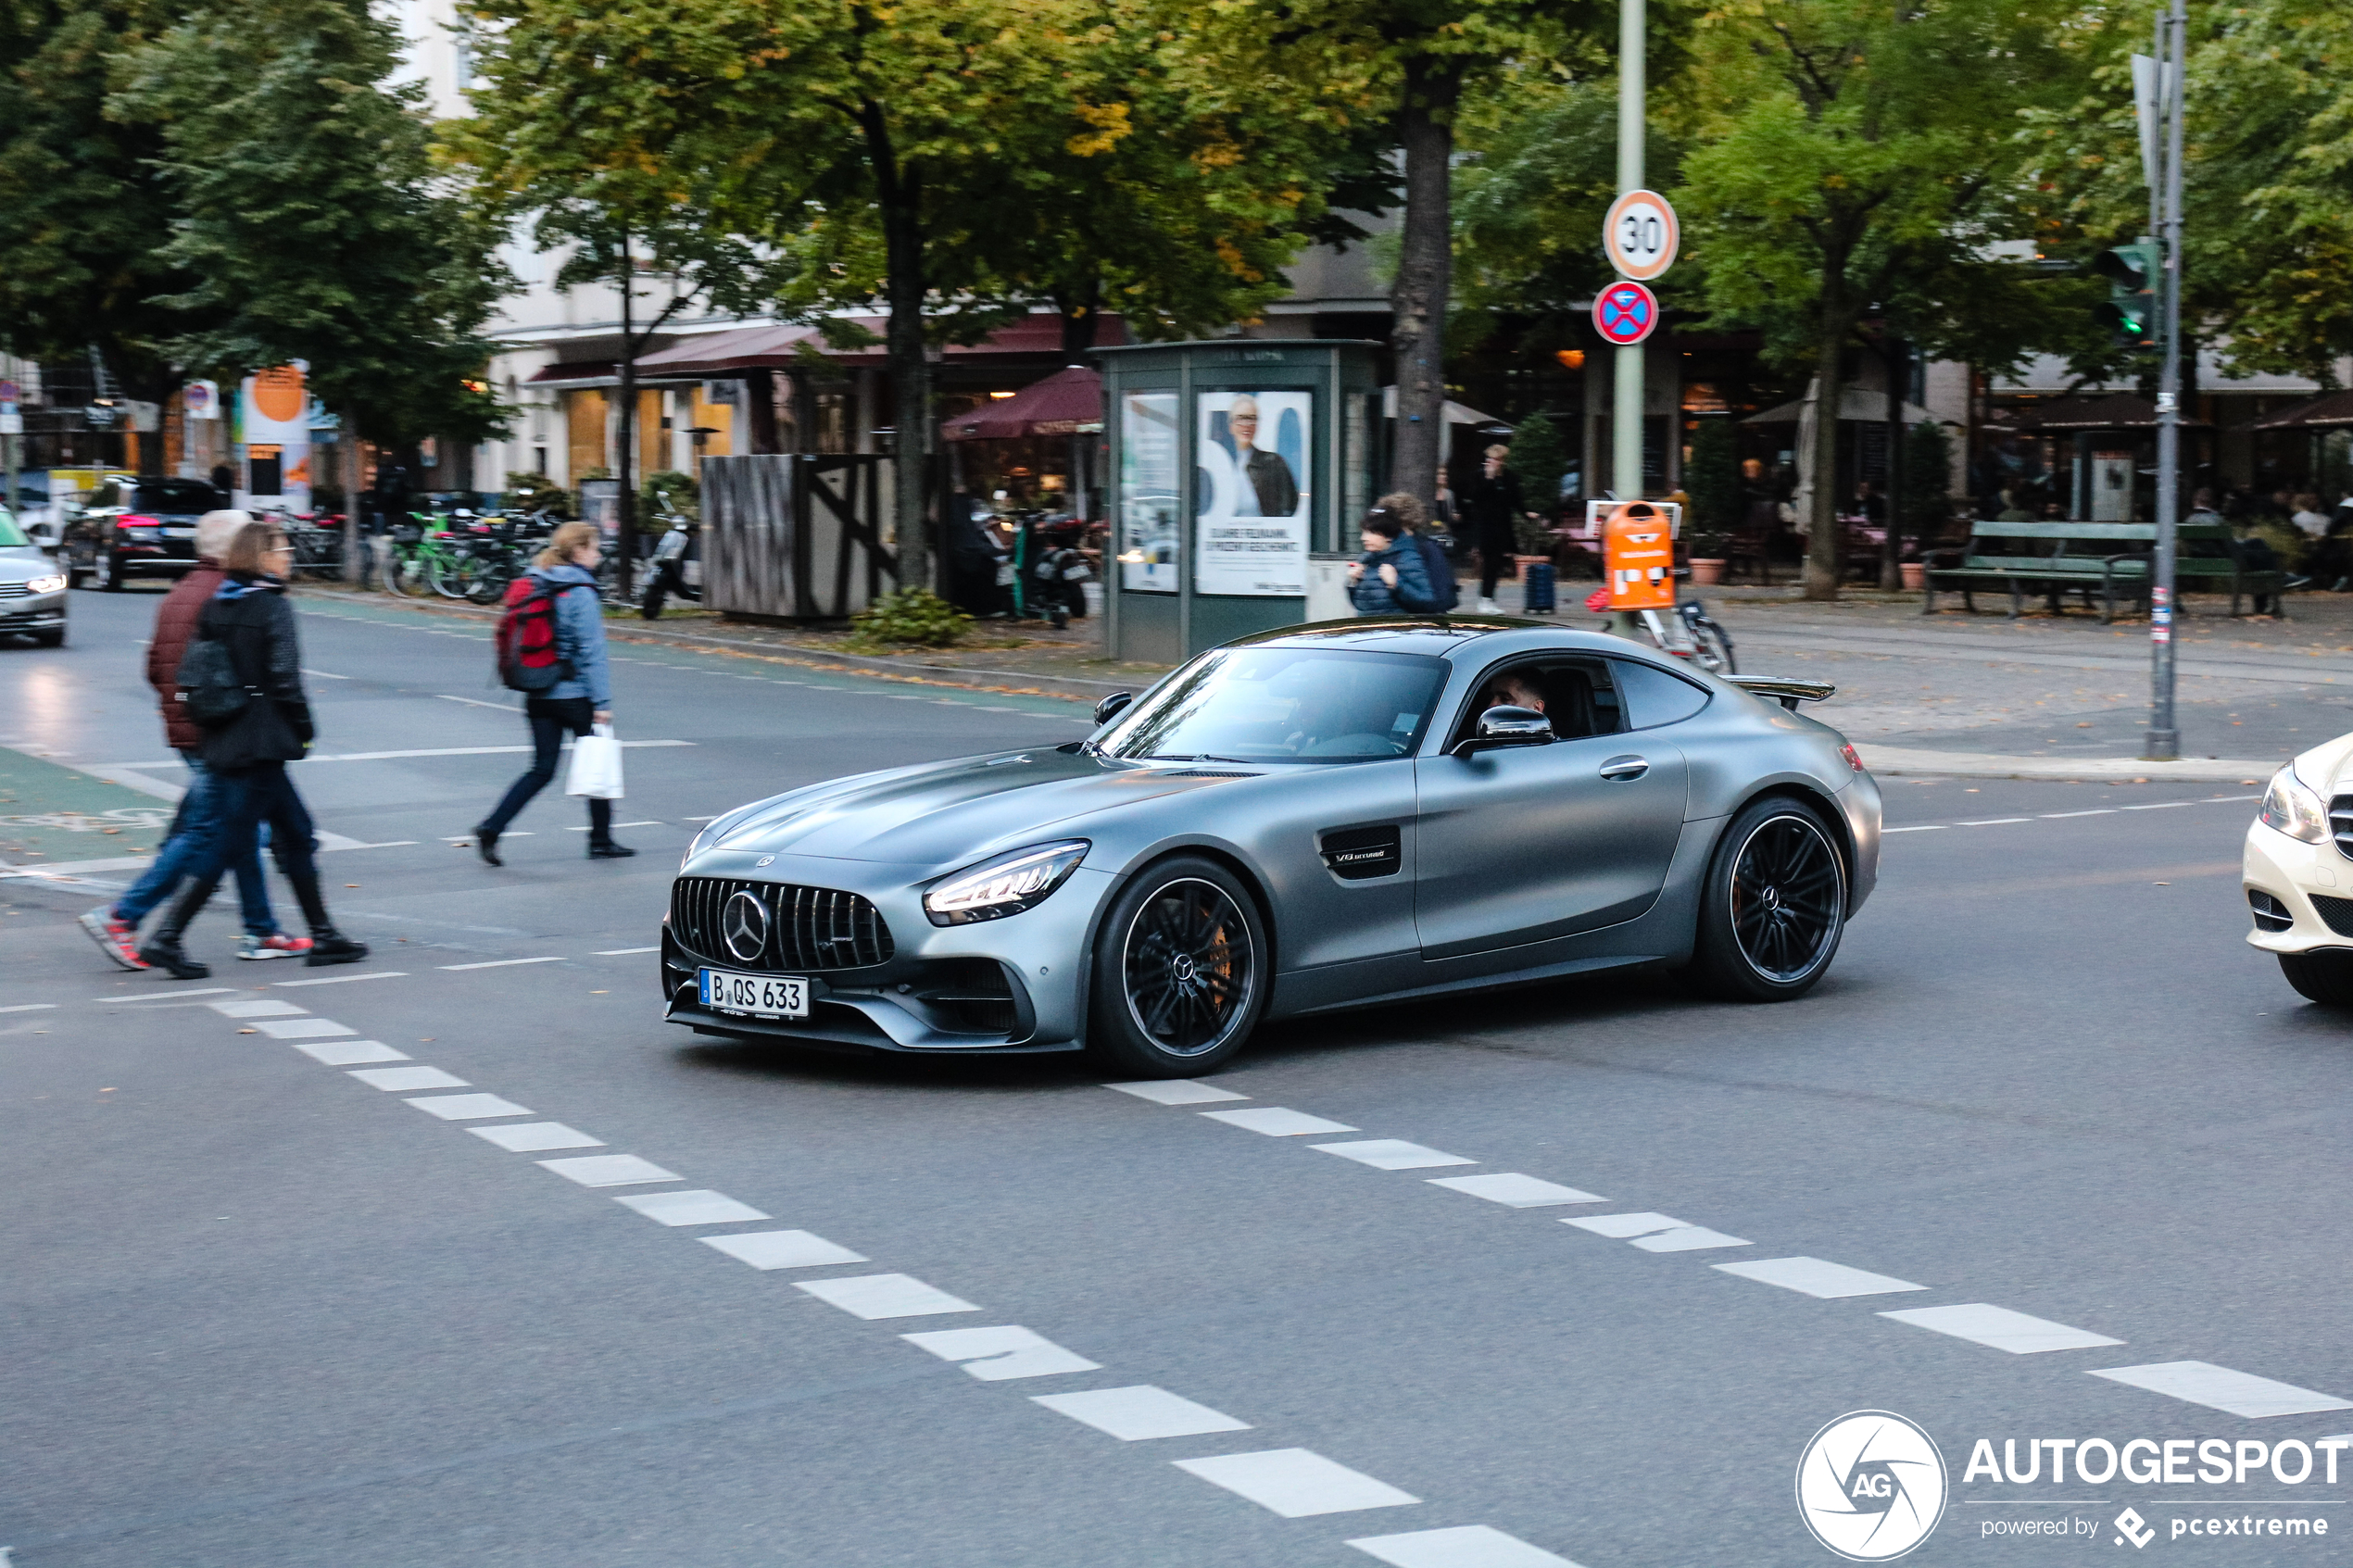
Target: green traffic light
(2132,273)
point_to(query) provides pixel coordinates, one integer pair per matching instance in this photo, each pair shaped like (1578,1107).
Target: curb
(2100,769)
(1068,687)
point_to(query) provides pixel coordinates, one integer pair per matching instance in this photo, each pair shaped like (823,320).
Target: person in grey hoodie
(574,705)
(1390,578)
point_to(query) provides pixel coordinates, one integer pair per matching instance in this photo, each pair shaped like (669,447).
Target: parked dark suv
(136,528)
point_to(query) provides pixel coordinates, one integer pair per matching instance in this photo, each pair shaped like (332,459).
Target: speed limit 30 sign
(1641,236)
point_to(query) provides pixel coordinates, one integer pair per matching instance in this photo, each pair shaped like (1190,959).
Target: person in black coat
(248,754)
(1490,507)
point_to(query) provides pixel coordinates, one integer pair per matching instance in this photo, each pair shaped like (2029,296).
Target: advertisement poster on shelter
(1253,469)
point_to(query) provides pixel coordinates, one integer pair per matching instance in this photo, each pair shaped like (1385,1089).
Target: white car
(2298,872)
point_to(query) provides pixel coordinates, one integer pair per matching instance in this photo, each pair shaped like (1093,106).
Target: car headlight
(44,584)
(1005,885)
(2291,806)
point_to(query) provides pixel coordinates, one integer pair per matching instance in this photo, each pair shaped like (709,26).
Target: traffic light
(2131,310)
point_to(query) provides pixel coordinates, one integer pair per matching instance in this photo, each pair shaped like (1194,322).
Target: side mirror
(1505,726)
(1112,706)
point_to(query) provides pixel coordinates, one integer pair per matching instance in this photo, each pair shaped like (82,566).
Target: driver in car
(1511,691)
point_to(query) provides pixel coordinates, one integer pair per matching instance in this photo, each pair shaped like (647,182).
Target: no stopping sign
(1625,313)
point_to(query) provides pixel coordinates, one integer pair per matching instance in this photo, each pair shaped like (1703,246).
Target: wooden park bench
(2111,558)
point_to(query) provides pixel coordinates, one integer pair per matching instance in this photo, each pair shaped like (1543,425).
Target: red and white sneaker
(119,939)
(277,945)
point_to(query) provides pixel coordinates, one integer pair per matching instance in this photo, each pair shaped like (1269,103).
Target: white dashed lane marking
(884,1296)
(624,952)
(1815,1277)
(1687,1238)
(994,1355)
(700,1207)
(791,1249)
(396,1079)
(531,1138)
(610,1171)
(2000,1328)
(348,1053)
(1296,1482)
(2218,1387)
(302,1028)
(1278,1123)
(469,1108)
(1140,1413)
(505,963)
(345,979)
(262,1007)
(1622,1228)
(1464,1546)
(1516,1191)
(1177,1091)
(2062,816)
(1391,1154)
(29,1007)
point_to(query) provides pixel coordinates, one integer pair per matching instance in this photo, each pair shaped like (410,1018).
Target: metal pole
(1626,410)
(2164,738)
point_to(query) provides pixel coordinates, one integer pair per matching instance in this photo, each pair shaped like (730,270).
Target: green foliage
(2267,230)
(1539,456)
(308,217)
(530,491)
(81,214)
(1712,479)
(914,616)
(1927,501)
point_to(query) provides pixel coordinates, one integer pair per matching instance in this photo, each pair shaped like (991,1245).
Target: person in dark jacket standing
(1490,507)
(574,705)
(248,754)
(196,827)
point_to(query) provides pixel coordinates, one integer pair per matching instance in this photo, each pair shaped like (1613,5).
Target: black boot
(329,946)
(162,949)
(486,846)
(609,850)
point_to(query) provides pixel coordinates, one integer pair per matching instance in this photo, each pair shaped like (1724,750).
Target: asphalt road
(263,1314)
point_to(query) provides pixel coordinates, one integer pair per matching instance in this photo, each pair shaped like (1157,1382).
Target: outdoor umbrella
(1066,403)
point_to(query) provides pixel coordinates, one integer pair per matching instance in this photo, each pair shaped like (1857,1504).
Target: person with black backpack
(241,681)
(551,647)
(1443,595)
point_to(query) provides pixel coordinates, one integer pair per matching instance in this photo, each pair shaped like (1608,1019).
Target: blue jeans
(190,849)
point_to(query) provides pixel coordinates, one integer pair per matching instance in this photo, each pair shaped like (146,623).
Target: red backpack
(528,659)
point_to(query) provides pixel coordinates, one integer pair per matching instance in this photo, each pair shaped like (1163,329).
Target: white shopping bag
(596,766)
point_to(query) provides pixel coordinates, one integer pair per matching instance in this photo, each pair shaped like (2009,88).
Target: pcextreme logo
(1871,1485)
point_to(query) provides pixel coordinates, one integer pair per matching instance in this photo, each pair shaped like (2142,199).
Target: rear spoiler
(1787,690)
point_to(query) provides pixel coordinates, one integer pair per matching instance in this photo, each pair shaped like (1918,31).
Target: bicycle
(1691,633)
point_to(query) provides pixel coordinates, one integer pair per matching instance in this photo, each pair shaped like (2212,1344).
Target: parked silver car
(1321,818)
(32,588)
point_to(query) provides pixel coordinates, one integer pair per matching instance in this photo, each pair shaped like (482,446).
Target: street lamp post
(2173,30)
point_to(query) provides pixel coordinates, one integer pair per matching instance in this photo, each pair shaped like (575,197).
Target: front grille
(2341,824)
(2270,913)
(2338,912)
(808,928)
(14,590)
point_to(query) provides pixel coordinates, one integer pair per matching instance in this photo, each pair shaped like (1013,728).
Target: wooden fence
(797,536)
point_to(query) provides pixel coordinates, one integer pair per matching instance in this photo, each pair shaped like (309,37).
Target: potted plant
(1709,548)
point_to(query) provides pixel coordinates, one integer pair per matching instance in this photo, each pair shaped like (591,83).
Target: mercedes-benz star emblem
(743,926)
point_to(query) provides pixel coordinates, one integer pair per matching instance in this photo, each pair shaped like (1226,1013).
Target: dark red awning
(1063,404)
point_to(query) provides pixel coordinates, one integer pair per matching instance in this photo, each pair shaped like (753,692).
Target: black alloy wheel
(1180,971)
(1775,904)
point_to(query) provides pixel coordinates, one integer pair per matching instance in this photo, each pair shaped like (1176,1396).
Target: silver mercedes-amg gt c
(1319,817)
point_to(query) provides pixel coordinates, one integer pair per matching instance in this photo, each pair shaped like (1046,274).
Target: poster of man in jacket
(1250,535)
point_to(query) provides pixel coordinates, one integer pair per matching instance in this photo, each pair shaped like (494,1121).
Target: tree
(2267,230)
(1712,479)
(1428,57)
(82,208)
(1851,155)
(310,225)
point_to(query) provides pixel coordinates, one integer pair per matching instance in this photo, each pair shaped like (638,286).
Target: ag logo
(1871,1485)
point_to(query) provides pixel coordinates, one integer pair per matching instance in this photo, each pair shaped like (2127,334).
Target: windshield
(1284,705)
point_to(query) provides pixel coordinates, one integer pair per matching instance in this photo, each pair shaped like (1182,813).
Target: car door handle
(1623,768)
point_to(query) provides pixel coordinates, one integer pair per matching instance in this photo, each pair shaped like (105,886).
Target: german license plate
(755,995)
(179,533)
